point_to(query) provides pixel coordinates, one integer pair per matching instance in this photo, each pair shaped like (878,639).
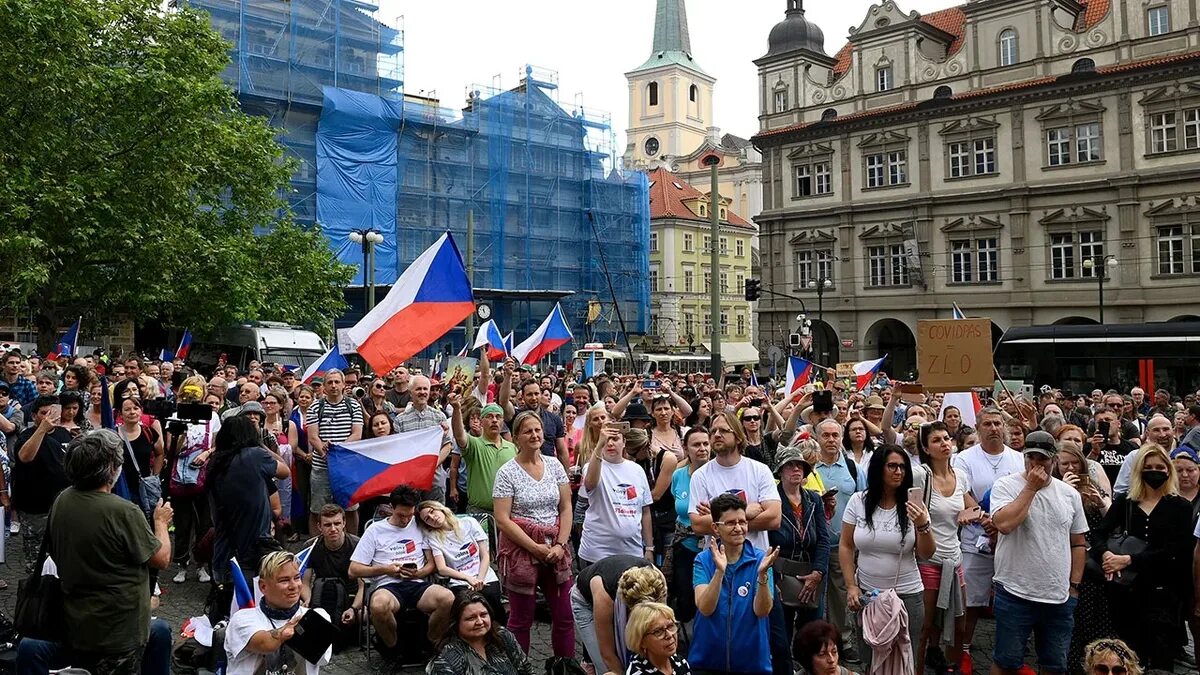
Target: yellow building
(681,271)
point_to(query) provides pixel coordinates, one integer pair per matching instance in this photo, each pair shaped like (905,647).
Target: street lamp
(820,286)
(1099,262)
(368,239)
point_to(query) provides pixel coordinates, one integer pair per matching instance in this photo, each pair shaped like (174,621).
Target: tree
(132,183)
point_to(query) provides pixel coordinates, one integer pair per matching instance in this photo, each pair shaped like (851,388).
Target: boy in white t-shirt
(256,639)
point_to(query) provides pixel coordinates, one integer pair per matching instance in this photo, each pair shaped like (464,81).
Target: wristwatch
(1075,586)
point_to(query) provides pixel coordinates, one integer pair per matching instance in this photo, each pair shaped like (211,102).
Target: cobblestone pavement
(180,601)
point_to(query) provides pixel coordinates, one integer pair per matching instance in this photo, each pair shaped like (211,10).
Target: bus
(1080,358)
(675,363)
(607,359)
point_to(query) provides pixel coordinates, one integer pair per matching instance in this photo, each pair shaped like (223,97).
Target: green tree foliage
(131,182)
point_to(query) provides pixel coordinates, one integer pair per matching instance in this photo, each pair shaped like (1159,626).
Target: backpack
(330,595)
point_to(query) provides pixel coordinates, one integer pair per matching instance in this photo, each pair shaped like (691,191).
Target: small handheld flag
(552,334)
(864,372)
(67,344)
(243,597)
(489,335)
(799,372)
(185,345)
(329,360)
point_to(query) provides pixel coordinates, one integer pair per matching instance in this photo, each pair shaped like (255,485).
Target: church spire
(671,27)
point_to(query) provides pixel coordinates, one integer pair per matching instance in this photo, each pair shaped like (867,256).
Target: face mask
(1155,479)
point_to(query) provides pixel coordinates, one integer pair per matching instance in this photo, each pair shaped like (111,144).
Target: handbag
(150,487)
(790,582)
(187,480)
(1123,543)
(39,611)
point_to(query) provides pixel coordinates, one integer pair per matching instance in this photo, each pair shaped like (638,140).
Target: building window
(1008,47)
(887,266)
(740,283)
(883,78)
(741,325)
(724,283)
(781,100)
(689,281)
(653,93)
(960,159)
(985,156)
(1170,250)
(724,244)
(825,265)
(898,167)
(1163,132)
(654,242)
(886,169)
(1191,129)
(813,179)
(707,324)
(725,325)
(653,279)
(972,157)
(740,248)
(804,268)
(707,240)
(813,265)
(1078,143)
(974,261)
(875,171)
(687,242)
(1158,21)
(1068,250)
(689,323)
(708,282)
(693,93)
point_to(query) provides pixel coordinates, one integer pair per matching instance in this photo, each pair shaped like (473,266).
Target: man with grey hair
(104,551)
(421,415)
(983,463)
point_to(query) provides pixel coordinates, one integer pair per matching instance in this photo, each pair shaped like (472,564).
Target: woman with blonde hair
(1147,573)
(618,517)
(461,553)
(593,431)
(651,636)
(1110,657)
(603,595)
(187,456)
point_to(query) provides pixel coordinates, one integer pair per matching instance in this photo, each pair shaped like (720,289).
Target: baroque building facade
(999,155)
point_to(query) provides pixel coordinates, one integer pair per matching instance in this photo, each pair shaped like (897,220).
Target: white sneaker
(204,576)
(14,528)
(181,577)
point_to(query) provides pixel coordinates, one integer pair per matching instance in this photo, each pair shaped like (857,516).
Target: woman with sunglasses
(1110,657)
(376,400)
(883,534)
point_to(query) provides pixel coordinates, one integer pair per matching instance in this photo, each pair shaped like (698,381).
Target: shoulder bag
(1123,543)
(39,611)
(790,571)
(149,487)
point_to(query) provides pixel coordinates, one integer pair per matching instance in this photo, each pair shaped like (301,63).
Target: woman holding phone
(618,517)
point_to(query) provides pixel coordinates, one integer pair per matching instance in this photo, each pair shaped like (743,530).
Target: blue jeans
(37,657)
(1050,624)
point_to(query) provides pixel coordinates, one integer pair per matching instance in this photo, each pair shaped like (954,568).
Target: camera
(360,393)
(175,418)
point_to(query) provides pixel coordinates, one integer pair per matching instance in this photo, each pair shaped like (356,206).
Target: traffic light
(753,289)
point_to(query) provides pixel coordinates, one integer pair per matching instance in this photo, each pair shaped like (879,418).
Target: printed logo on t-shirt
(408,546)
(624,498)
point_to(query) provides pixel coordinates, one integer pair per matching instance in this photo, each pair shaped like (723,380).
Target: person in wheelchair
(396,555)
(327,580)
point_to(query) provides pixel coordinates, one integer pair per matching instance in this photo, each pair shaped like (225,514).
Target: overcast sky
(453,43)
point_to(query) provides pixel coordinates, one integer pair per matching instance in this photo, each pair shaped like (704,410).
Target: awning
(736,353)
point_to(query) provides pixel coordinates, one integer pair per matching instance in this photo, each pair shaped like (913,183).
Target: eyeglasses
(751,418)
(733,523)
(665,632)
(898,468)
(1103,669)
(380,387)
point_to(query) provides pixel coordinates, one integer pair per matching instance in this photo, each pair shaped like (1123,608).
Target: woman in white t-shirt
(888,532)
(618,517)
(460,551)
(946,493)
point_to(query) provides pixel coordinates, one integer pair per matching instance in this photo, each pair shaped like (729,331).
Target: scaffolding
(284,53)
(538,177)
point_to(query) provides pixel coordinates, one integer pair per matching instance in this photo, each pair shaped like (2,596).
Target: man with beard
(984,463)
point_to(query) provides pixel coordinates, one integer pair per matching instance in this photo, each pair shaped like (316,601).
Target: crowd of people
(670,523)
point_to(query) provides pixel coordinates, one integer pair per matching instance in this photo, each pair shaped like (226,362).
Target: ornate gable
(811,150)
(813,236)
(1074,216)
(1171,93)
(1071,108)
(969,126)
(883,15)
(888,137)
(884,231)
(971,223)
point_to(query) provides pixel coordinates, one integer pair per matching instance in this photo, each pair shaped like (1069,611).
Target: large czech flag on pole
(361,470)
(489,336)
(864,372)
(185,345)
(799,372)
(431,297)
(552,334)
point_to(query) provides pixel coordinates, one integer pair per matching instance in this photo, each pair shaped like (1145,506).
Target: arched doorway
(892,337)
(1076,321)
(826,350)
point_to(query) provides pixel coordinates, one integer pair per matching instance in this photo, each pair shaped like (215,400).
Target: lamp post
(820,286)
(1097,265)
(367,238)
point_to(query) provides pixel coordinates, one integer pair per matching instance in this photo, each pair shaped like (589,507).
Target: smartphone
(650,385)
(912,393)
(829,493)
(916,495)
(619,426)
(1102,428)
(56,412)
(410,566)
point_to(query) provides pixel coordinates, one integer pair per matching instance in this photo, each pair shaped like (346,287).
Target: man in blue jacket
(734,595)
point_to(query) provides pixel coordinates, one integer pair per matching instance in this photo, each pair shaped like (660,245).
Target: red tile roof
(952,21)
(668,193)
(1093,12)
(977,93)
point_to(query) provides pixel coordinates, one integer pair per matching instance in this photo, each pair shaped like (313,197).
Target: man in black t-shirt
(37,473)
(330,559)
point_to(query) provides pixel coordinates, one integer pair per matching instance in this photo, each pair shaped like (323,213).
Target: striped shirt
(335,420)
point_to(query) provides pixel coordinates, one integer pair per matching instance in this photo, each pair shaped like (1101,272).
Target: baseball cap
(1041,443)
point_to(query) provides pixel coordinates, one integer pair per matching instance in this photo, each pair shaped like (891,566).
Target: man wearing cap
(873,416)
(1039,560)
(421,415)
(483,455)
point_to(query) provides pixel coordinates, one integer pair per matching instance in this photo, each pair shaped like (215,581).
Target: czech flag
(864,372)
(360,470)
(329,360)
(489,336)
(967,403)
(958,313)
(508,343)
(589,367)
(552,334)
(185,345)
(67,343)
(799,372)
(431,297)
(303,556)
(243,596)
(165,356)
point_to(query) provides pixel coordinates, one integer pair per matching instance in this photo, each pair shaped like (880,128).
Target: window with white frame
(781,100)
(883,78)
(1164,133)
(897,167)
(739,283)
(1070,248)
(724,282)
(707,241)
(887,265)
(653,278)
(739,247)
(1170,249)
(654,242)
(968,156)
(1173,124)
(876,171)
(707,324)
(825,264)
(959,154)
(812,265)
(1008,47)
(707,282)
(1074,144)
(741,325)
(687,242)
(1087,143)
(960,262)
(985,156)
(689,324)
(724,246)
(1158,20)
(887,169)
(724,324)
(689,281)
(1191,129)
(974,260)
(814,178)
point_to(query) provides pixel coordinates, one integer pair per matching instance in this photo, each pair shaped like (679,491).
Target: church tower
(670,96)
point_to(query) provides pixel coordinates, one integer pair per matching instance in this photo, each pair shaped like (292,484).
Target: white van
(262,341)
